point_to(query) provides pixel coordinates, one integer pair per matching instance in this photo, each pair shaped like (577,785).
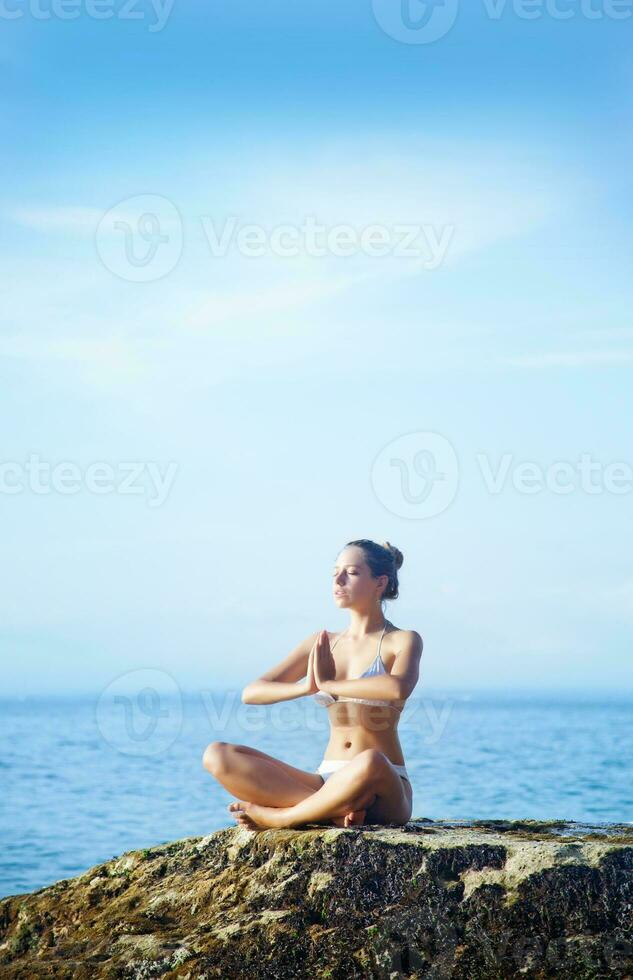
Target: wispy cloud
(63,349)
(238,297)
(611,600)
(606,333)
(569,359)
(102,363)
(73,218)
(215,308)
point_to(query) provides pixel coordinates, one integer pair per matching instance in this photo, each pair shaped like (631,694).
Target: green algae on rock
(432,899)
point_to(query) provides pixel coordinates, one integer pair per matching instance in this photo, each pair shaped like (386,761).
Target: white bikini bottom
(328,766)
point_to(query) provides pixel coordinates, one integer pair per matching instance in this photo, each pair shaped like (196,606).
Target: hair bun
(397,554)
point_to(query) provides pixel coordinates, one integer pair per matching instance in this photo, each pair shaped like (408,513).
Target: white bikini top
(376,668)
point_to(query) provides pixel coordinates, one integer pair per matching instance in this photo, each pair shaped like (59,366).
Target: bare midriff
(355,727)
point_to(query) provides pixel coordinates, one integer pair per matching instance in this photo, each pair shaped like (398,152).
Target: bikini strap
(337,639)
(387,623)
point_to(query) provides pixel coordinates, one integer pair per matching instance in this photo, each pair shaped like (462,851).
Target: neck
(363,623)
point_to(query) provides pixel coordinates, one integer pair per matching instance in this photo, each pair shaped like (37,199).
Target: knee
(215,756)
(371,761)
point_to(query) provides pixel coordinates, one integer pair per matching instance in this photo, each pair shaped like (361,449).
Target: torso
(355,727)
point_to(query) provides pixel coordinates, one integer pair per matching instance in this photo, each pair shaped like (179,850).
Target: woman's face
(352,582)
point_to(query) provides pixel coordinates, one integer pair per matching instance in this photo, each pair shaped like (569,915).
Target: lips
(340,594)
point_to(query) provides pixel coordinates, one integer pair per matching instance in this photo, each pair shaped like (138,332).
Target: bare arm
(280,682)
(397,685)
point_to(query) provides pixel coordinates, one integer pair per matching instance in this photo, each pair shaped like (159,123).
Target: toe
(357,818)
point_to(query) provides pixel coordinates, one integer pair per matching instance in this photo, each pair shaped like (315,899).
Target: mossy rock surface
(433,899)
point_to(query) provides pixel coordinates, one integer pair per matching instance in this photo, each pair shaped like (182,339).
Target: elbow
(403,690)
(249,693)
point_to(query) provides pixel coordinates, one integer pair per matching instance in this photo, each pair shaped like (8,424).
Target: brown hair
(383,559)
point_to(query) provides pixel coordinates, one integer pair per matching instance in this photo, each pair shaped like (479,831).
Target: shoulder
(407,641)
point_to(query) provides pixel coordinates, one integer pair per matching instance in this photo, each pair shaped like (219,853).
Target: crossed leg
(369,780)
(260,778)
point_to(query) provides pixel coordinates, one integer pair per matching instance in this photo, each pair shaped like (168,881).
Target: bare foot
(256,817)
(236,810)
(355,818)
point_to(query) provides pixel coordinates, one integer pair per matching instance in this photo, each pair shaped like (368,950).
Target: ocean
(85,778)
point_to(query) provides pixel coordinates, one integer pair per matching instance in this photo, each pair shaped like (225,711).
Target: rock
(431,899)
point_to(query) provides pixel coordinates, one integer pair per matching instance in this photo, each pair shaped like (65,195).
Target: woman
(362,777)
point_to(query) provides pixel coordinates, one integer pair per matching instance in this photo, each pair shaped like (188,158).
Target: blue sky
(272,384)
